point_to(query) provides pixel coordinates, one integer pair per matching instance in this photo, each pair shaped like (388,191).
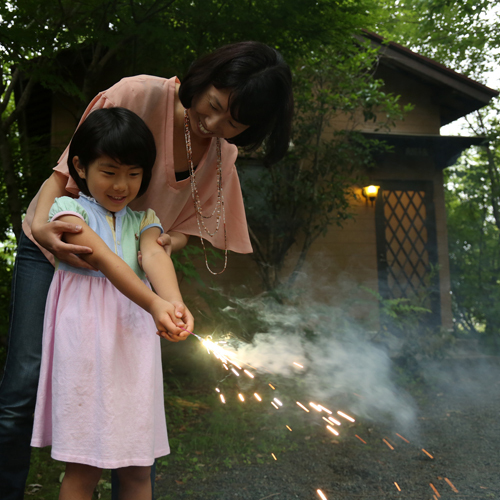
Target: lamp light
(370,192)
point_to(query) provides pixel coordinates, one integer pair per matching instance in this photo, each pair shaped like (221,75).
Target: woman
(240,95)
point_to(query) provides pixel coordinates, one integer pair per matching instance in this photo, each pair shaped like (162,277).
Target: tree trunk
(13,199)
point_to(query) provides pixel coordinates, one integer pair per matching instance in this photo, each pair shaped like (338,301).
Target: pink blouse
(152,98)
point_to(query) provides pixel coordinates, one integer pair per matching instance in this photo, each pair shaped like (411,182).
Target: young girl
(100,395)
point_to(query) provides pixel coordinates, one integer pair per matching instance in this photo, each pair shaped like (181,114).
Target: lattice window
(406,236)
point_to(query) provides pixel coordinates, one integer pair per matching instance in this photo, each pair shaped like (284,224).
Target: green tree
(68,47)
(461,35)
(473,205)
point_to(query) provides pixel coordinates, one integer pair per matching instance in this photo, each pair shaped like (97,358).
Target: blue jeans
(30,285)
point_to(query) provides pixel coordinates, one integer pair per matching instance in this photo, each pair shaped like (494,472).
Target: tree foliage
(473,204)
(464,36)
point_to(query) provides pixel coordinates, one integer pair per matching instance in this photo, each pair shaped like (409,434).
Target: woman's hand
(49,235)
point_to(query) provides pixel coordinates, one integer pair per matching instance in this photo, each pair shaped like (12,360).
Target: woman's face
(210,116)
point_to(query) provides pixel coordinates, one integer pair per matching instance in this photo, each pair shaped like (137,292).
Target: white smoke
(338,360)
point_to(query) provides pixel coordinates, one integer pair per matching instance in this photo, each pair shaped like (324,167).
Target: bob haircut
(115,132)
(260,85)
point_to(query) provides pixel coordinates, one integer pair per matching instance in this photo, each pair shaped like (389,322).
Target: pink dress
(100,395)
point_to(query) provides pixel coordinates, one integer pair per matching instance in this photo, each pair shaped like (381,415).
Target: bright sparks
(434,490)
(362,440)
(248,373)
(347,417)
(399,436)
(388,444)
(222,398)
(257,397)
(302,406)
(336,422)
(298,365)
(321,495)
(272,387)
(275,405)
(274,456)
(332,430)
(278,402)
(427,453)
(242,399)
(325,409)
(289,428)
(217,389)
(397,486)
(451,485)
(235,372)
(315,406)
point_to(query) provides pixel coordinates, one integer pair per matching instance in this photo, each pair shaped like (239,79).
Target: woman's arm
(124,278)
(172,241)
(161,273)
(49,234)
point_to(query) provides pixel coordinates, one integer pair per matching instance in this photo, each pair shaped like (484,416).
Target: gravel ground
(458,424)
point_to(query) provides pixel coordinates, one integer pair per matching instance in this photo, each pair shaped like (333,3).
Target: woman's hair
(260,85)
(115,132)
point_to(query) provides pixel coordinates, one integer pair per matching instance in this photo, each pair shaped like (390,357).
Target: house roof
(456,94)
(445,150)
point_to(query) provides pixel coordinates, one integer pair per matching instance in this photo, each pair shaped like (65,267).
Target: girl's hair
(260,85)
(115,132)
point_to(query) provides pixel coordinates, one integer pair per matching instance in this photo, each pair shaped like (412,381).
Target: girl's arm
(123,278)
(49,234)
(161,273)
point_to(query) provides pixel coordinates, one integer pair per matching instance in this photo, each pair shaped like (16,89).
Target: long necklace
(219,210)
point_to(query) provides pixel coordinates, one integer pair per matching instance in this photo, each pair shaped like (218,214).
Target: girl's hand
(49,236)
(164,316)
(183,313)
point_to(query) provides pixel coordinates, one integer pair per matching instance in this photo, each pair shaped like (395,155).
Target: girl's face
(210,116)
(110,183)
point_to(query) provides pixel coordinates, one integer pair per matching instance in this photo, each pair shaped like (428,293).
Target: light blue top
(122,237)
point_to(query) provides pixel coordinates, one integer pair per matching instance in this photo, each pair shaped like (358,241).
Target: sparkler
(229,362)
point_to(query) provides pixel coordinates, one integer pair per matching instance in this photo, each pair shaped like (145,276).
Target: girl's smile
(112,184)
